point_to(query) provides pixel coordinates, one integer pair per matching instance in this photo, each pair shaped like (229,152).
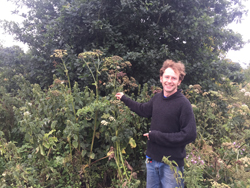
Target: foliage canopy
(142,32)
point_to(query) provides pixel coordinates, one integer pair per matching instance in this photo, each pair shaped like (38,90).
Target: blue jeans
(159,175)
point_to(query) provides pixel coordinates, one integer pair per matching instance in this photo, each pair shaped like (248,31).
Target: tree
(12,61)
(142,32)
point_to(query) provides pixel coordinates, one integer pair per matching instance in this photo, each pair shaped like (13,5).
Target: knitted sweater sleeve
(142,109)
(186,135)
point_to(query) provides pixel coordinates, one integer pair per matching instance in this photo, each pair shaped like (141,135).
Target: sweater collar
(171,96)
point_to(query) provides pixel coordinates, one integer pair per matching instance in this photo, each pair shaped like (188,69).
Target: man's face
(170,81)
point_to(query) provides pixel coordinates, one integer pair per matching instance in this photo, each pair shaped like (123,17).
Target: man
(172,126)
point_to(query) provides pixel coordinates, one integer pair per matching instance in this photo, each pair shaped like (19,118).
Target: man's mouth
(168,86)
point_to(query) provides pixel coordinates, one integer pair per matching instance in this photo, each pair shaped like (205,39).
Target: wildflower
(103,122)
(30,104)
(59,53)
(205,93)
(220,161)
(202,162)
(197,90)
(243,90)
(111,118)
(190,86)
(27,113)
(197,86)
(213,105)
(247,94)
(245,108)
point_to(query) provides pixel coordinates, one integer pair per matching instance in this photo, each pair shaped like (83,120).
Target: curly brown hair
(176,66)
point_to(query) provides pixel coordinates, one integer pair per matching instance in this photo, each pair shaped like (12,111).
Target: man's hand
(119,95)
(147,134)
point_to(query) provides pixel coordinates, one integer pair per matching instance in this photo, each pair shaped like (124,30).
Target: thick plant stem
(125,171)
(96,116)
(93,138)
(70,148)
(73,106)
(67,74)
(117,160)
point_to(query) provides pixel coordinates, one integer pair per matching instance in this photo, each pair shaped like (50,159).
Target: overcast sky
(5,14)
(242,56)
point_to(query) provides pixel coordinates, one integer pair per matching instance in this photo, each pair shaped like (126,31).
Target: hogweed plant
(59,53)
(93,58)
(112,79)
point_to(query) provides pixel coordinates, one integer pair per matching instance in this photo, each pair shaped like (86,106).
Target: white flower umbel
(27,113)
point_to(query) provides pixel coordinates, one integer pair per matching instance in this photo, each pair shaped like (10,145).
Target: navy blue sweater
(172,125)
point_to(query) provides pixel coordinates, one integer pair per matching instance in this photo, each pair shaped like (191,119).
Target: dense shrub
(67,136)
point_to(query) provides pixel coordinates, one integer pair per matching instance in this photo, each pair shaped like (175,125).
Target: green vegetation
(60,124)
(65,137)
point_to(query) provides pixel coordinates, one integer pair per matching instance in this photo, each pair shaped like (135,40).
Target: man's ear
(179,82)
(161,79)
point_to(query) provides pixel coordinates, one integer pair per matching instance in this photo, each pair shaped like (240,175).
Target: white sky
(242,56)
(5,14)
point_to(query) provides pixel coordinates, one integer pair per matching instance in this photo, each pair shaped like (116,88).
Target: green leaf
(132,143)
(83,153)
(53,124)
(92,156)
(75,143)
(114,138)
(41,150)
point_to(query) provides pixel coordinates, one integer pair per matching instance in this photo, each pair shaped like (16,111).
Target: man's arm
(142,109)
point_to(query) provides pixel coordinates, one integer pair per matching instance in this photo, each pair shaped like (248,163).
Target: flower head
(59,53)
(243,90)
(27,113)
(103,122)
(247,94)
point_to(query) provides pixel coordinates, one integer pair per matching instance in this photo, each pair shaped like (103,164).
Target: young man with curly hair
(172,126)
